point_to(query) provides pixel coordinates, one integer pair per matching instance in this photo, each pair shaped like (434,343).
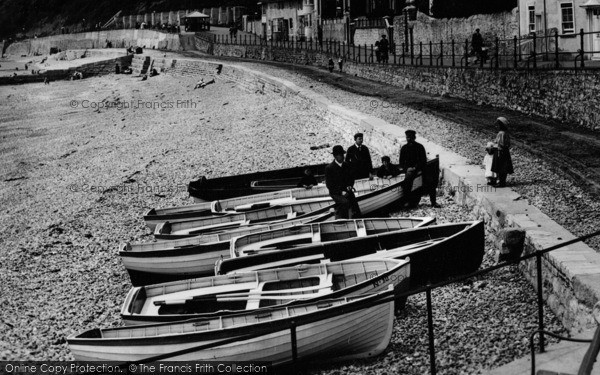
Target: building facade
(289,19)
(568,17)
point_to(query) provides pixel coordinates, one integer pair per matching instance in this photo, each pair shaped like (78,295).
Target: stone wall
(88,70)
(334,29)
(425,29)
(96,39)
(368,36)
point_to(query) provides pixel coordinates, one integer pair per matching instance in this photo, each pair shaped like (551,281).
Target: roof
(196,15)
(591,4)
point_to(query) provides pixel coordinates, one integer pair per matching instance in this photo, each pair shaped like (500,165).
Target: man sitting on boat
(339,181)
(413,159)
(387,169)
(308,180)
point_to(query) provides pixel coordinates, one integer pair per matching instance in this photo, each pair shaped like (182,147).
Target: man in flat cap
(359,158)
(413,159)
(339,182)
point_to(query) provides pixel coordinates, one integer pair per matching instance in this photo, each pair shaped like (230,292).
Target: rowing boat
(372,195)
(226,294)
(341,328)
(308,234)
(221,207)
(436,252)
(183,259)
(204,189)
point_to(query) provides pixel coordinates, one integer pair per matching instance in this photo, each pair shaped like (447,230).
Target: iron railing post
(556,63)
(431,333)
(420,53)
(453,54)
(430,53)
(540,299)
(581,36)
(441,53)
(515,52)
(534,53)
(294,342)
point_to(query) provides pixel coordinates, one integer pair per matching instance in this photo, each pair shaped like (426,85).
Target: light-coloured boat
(436,252)
(371,196)
(226,294)
(343,328)
(309,234)
(151,263)
(221,207)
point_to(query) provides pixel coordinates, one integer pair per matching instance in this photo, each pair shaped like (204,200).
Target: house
(568,17)
(289,19)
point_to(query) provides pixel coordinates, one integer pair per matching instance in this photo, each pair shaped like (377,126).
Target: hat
(385,158)
(490,145)
(358,135)
(410,132)
(503,120)
(337,150)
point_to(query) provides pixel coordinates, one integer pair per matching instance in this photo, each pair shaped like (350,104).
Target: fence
(529,52)
(586,366)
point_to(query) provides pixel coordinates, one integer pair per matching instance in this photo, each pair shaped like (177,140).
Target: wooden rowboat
(156,262)
(343,328)
(227,294)
(185,229)
(308,234)
(203,189)
(372,195)
(183,259)
(436,252)
(232,205)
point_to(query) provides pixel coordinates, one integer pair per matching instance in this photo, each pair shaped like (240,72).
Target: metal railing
(391,296)
(550,50)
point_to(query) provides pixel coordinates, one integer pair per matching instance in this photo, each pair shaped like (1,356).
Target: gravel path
(77,180)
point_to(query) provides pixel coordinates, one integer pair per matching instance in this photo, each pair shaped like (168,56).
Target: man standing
(413,159)
(359,158)
(477,44)
(339,182)
(384,47)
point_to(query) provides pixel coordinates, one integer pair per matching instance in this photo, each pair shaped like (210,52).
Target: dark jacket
(337,178)
(391,170)
(360,161)
(413,155)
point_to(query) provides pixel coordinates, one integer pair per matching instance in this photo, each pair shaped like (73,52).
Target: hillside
(45,16)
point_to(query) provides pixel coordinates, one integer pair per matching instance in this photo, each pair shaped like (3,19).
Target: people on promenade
(413,159)
(488,160)
(308,180)
(384,47)
(358,158)
(477,44)
(502,164)
(330,65)
(340,182)
(387,169)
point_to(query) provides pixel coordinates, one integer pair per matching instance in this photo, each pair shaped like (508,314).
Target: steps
(140,65)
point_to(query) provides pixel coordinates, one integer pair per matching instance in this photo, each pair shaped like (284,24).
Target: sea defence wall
(96,39)
(89,70)
(570,96)
(571,275)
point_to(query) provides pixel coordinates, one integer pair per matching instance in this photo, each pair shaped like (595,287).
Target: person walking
(384,46)
(339,182)
(413,159)
(502,164)
(477,45)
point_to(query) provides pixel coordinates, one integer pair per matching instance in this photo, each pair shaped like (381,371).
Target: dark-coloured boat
(436,252)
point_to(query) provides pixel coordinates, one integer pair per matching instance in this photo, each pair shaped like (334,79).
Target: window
(568,23)
(531,13)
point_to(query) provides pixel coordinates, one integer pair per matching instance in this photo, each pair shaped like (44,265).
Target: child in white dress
(487,163)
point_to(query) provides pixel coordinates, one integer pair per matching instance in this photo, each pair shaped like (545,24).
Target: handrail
(532,345)
(587,364)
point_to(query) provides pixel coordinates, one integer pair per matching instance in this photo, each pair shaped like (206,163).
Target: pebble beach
(83,161)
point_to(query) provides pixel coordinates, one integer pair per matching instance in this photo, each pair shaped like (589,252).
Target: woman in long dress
(502,164)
